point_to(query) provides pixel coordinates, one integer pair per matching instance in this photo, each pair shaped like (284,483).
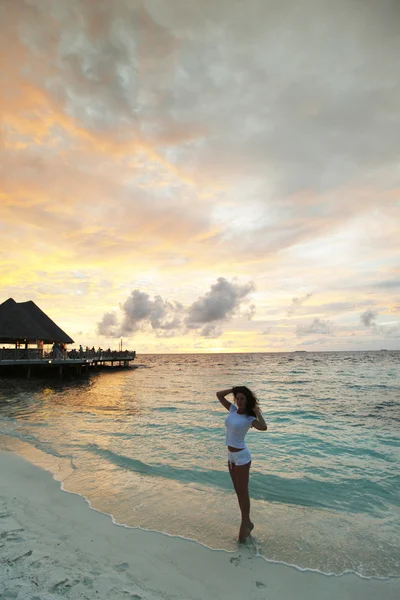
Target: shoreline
(256,555)
(60,472)
(52,542)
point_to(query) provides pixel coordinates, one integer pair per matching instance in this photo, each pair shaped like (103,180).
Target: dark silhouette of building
(23,323)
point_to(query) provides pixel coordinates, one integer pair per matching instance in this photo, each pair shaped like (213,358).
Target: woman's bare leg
(242,489)
(232,473)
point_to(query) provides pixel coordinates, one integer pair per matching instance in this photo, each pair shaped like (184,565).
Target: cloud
(250,312)
(217,305)
(390,330)
(317,326)
(207,315)
(211,330)
(368,317)
(139,309)
(108,325)
(195,136)
(267,331)
(296,302)
(389,284)
(185,139)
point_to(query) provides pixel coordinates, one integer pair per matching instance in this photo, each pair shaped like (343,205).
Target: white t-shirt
(237,426)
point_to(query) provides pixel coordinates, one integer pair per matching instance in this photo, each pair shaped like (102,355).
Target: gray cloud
(139,309)
(308,99)
(393,331)
(211,330)
(239,95)
(267,331)
(194,133)
(368,317)
(250,312)
(389,330)
(388,284)
(219,304)
(108,326)
(207,315)
(296,302)
(317,326)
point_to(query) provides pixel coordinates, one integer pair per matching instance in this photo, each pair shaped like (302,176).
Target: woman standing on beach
(243,414)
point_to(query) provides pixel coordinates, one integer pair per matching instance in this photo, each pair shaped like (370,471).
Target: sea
(146,446)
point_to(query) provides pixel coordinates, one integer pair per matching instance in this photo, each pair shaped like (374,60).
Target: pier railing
(37,354)
(21,354)
(102,354)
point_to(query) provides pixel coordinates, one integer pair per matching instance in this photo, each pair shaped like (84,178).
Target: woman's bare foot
(244,531)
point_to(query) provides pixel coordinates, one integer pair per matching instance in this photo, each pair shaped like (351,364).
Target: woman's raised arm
(221,397)
(259,424)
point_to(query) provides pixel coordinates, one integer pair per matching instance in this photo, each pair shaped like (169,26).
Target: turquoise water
(147,446)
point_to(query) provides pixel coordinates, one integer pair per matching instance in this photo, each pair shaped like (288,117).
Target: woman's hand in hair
(259,424)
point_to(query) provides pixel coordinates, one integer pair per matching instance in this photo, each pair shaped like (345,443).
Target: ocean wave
(349,495)
(296,382)
(34,442)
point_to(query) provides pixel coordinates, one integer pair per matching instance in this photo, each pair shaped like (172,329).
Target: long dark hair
(251,398)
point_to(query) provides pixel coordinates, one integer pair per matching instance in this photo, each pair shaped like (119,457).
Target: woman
(245,413)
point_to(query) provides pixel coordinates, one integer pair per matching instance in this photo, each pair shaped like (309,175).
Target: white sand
(52,546)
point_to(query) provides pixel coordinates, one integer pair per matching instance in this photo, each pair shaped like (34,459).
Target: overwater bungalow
(25,329)
(24,324)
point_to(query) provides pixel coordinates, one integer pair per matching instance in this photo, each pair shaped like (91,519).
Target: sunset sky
(203,175)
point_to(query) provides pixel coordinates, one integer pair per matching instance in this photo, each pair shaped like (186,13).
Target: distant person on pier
(55,350)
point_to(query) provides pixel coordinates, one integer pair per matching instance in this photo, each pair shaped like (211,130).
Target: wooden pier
(25,325)
(27,361)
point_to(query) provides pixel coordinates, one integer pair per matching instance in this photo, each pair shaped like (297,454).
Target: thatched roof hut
(24,322)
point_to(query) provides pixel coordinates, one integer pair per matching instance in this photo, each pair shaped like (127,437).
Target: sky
(203,175)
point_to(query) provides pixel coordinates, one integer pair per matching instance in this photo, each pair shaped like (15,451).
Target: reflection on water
(147,446)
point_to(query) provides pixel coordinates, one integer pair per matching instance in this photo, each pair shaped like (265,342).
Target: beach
(53,545)
(198,197)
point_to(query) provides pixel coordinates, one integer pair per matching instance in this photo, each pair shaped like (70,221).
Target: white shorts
(239,458)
